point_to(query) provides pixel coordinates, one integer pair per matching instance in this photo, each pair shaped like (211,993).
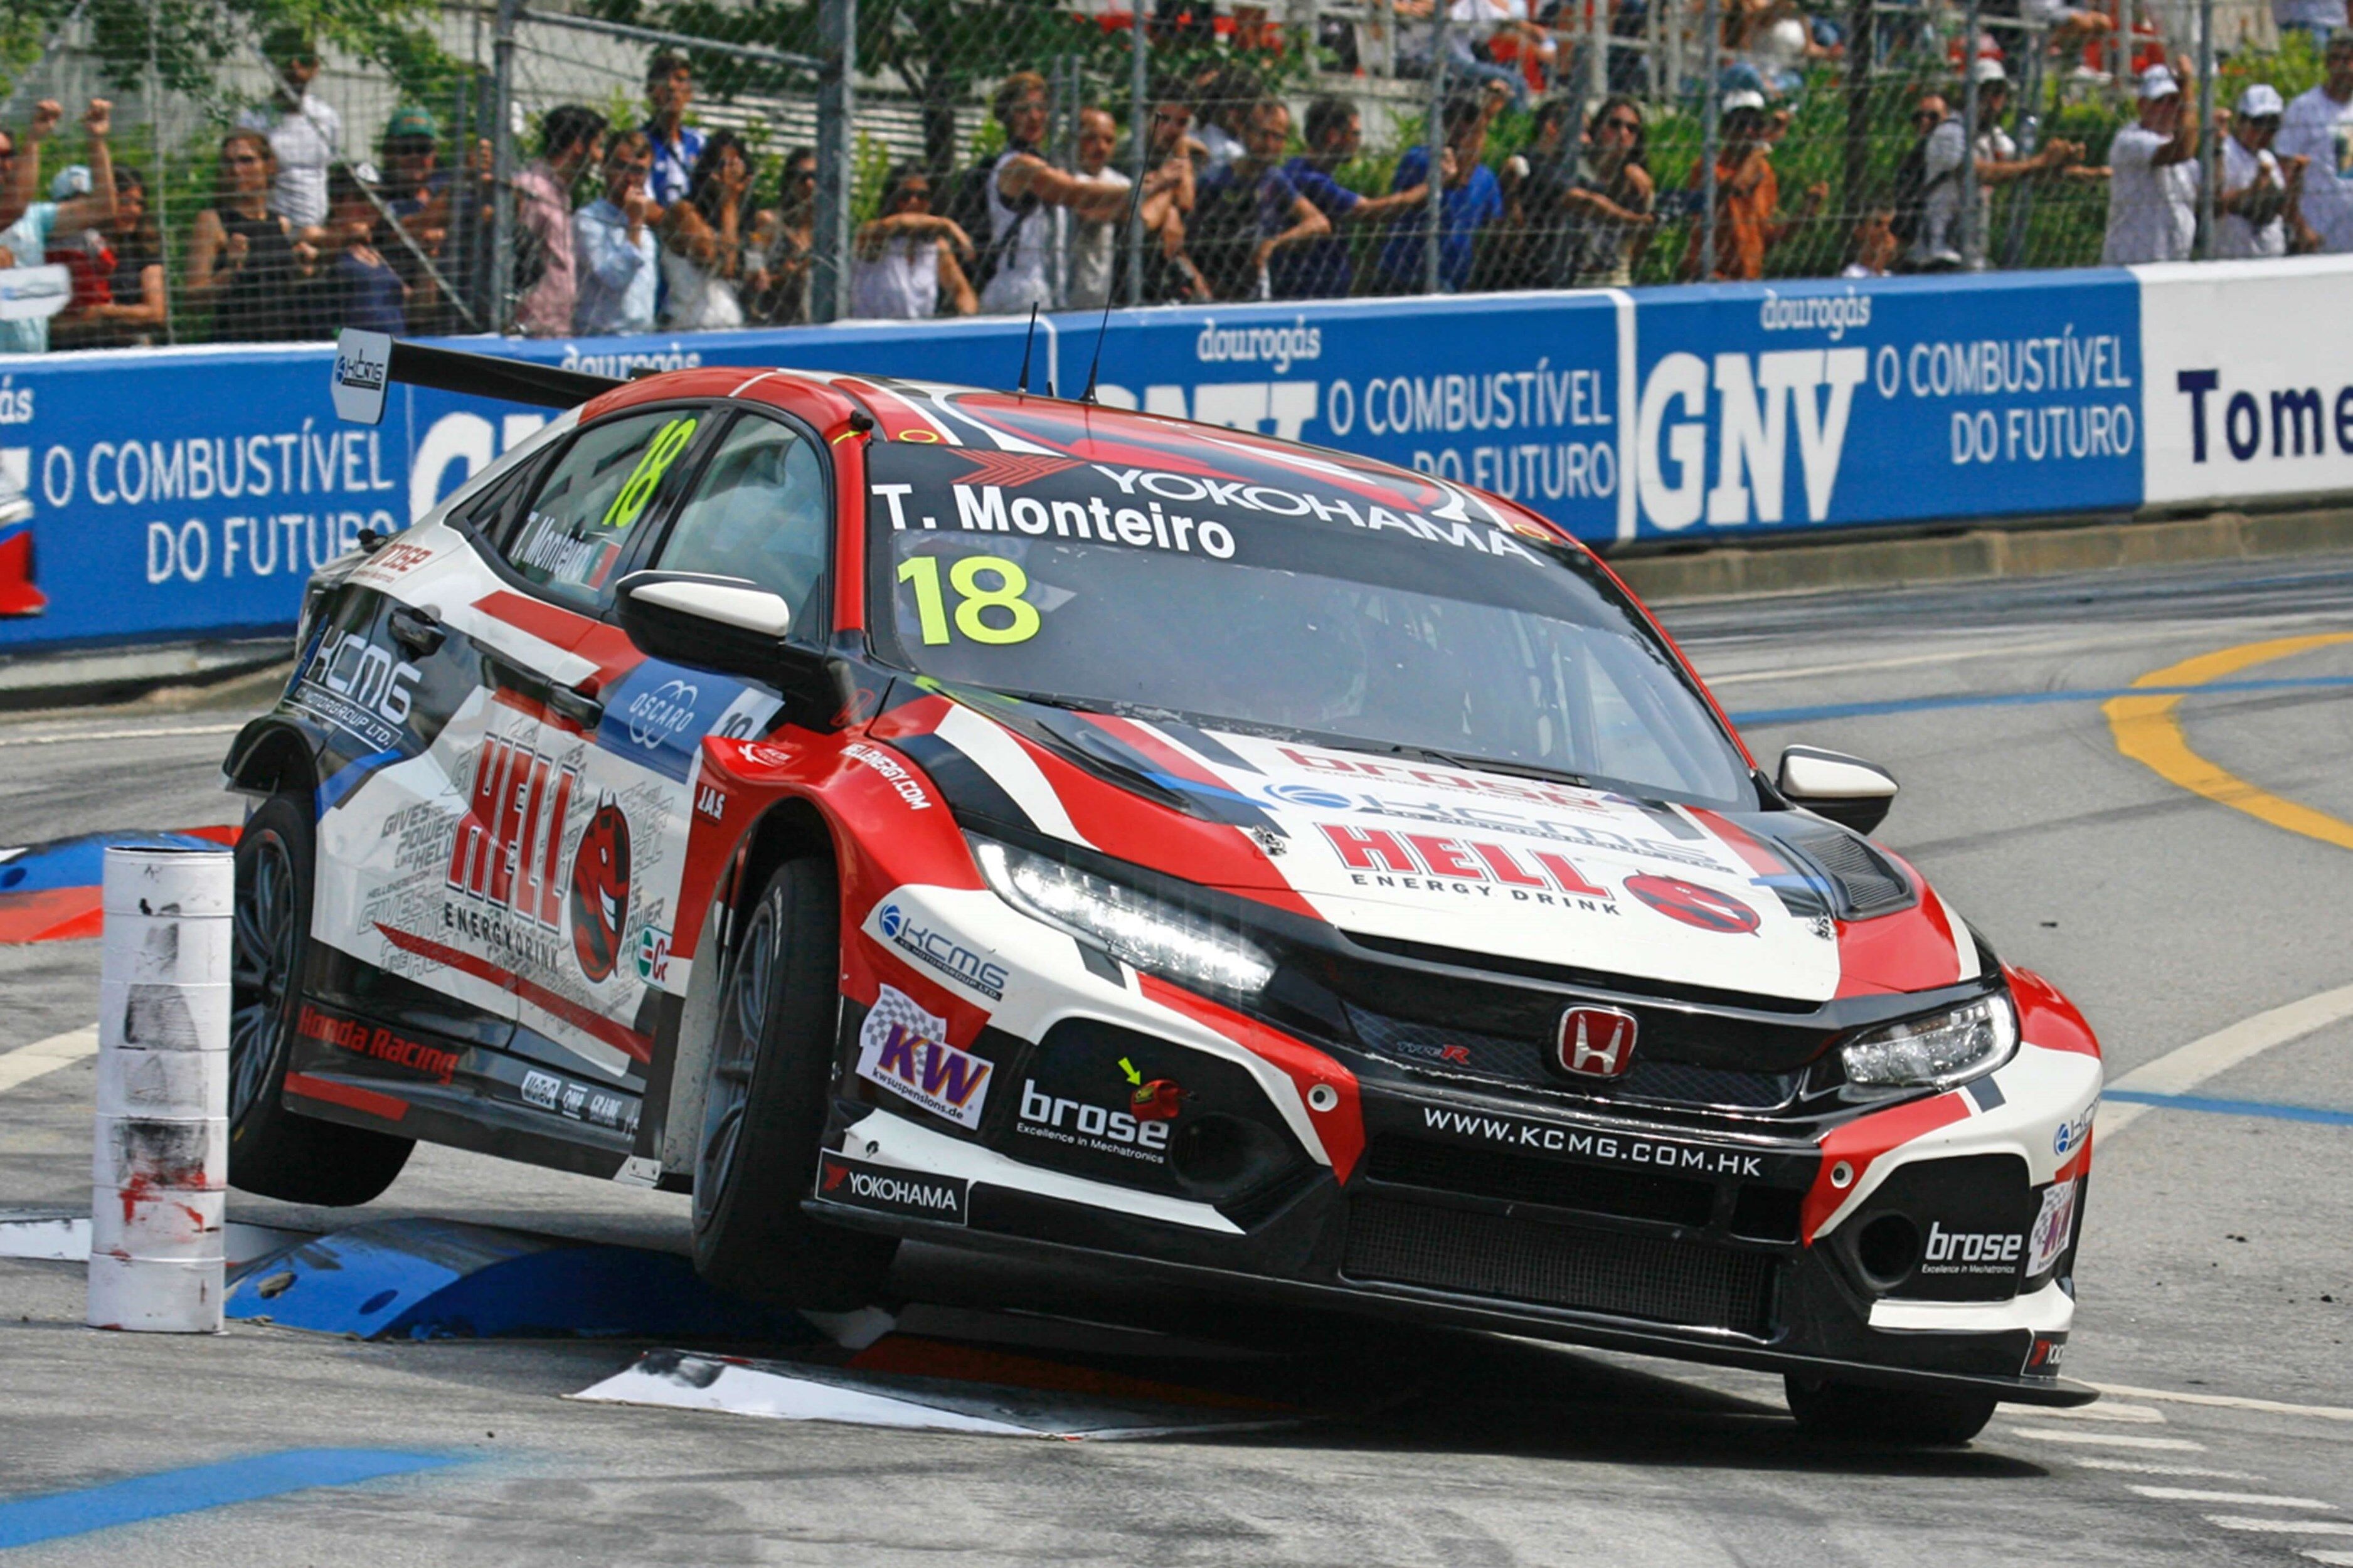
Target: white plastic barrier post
(159,1167)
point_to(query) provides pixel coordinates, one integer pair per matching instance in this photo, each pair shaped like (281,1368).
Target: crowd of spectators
(667,224)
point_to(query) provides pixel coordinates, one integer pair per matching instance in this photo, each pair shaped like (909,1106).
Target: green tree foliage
(189,41)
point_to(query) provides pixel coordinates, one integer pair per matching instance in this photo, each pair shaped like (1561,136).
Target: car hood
(1460,862)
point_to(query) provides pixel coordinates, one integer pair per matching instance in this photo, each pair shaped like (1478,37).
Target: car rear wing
(366,363)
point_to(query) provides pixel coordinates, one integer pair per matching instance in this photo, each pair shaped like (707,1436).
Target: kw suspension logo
(508,845)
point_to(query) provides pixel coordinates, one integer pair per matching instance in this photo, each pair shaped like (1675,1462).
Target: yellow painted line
(2148,732)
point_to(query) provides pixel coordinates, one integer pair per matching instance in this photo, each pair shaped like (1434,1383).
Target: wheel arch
(791,826)
(271,755)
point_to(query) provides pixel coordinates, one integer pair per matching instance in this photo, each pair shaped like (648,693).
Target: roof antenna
(1024,388)
(1134,197)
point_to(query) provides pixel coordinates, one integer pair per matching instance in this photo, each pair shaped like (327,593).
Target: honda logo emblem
(1596,1042)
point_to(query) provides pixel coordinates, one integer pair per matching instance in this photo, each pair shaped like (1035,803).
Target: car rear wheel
(763,1109)
(1898,1417)
(271,1149)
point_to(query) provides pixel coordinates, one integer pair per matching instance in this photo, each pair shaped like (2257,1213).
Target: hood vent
(1867,883)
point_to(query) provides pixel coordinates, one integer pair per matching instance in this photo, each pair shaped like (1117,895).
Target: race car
(891,810)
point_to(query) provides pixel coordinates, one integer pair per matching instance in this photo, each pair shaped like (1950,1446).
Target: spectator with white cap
(1747,195)
(2153,176)
(2258,193)
(2318,126)
(1937,246)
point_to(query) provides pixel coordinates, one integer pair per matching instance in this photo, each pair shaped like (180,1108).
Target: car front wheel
(763,1109)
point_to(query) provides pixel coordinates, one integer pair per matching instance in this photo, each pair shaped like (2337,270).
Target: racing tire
(272,1150)
(1892,1417)
(763,1109)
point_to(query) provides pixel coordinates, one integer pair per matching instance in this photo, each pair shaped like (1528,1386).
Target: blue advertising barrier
(185,493)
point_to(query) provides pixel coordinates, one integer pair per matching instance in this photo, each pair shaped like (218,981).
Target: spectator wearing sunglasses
(305,135)
(905,263)
(2259,188)
(1584,212)
(614,244)
(784,238)
(243,258)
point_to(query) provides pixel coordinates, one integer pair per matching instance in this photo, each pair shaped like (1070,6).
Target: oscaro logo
(943,952)
(662,714)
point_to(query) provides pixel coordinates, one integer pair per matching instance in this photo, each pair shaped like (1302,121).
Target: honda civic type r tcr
(892,810)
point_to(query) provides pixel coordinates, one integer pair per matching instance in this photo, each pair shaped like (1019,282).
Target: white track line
(2179,1071)
(2334,1559)
(27,1063)
(2224,1401)
(2249,1499)
(2105,1410)
(2281,1526)
(120,734)
(2137,1467)
(2108,1439)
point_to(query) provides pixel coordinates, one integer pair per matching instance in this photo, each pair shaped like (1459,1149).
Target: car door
(401,697)
(548,857)
(756,509)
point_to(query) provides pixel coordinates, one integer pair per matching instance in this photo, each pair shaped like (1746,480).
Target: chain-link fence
(586,167)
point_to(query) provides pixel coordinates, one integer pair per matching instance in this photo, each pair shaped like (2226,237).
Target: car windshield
(1329,603)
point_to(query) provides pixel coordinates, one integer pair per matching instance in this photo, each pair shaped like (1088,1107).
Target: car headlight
(1149,932)
(1935,1052)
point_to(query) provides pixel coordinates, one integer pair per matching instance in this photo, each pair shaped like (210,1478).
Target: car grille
(1401,1243)
(1524,1061)
(1517,1178)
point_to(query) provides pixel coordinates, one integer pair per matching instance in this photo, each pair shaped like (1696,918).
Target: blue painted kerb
(36,1519)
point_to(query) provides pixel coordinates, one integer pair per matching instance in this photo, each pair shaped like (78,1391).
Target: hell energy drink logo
(508,845)
(600,890)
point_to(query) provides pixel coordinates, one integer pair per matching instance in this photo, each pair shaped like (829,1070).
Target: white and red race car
(893,810)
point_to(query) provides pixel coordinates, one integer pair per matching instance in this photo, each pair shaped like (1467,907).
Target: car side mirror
(1849,791)
(725,624)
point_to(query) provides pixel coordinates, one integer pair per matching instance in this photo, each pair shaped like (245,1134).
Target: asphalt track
(2114,796)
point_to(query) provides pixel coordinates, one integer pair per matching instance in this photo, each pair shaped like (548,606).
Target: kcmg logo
(1596,1042)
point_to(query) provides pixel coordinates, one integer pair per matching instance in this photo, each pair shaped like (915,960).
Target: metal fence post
(1711,24)
(1139,133)
(2029,140)
(1433,276)
(2209,150)
(1973,242)
(499,291)
(157,202)
(837,29)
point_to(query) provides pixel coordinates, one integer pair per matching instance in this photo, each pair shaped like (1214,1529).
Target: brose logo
(1971,1251)
(1097,1126)
(942,952)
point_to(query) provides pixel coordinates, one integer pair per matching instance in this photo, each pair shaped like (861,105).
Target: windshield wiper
(1487,764)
